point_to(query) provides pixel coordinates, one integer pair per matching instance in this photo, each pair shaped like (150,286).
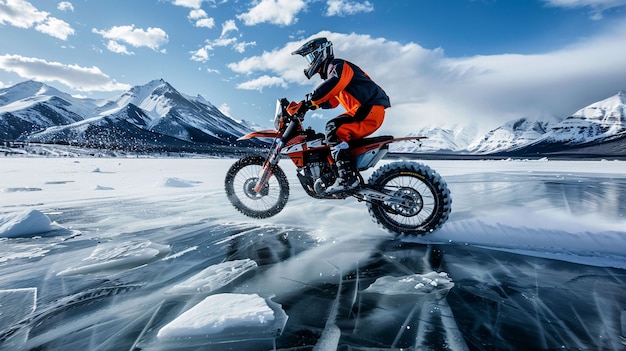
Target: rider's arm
(339,75)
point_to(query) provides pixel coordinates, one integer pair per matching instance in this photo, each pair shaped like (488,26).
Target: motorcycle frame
(291,142)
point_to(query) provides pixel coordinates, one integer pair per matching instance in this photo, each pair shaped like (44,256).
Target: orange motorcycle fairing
(267,133)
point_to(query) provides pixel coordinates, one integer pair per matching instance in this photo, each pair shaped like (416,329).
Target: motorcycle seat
(367,141)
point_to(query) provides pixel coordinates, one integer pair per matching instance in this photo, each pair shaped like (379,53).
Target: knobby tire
(420,184)
(272,198)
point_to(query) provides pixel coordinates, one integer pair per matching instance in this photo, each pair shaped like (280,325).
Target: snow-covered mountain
(598,129)
(602,120)
(31,106)
(157,115)
(154,114)
(600,123)
(439,139)
(511,135)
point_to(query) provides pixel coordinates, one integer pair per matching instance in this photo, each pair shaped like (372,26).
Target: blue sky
(444,62)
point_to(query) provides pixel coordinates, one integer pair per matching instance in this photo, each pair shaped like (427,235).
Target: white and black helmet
(318,53)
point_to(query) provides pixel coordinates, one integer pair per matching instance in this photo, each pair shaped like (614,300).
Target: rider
(364,101)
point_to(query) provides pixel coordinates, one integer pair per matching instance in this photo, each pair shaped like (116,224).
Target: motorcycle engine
(314,169)
(317,176)
(323,182)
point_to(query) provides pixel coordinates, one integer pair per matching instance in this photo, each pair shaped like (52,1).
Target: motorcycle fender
(268,133)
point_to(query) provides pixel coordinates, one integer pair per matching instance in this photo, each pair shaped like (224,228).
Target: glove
(296,108)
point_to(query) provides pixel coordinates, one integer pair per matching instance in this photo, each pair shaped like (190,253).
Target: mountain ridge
(156,115)
(146,116)
(599,123)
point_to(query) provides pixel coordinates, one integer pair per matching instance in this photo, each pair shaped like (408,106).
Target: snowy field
(147,254)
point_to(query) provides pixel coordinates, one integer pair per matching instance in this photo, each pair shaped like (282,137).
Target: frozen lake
(147,254)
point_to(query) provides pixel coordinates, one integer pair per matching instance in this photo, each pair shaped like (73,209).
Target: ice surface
(533,255)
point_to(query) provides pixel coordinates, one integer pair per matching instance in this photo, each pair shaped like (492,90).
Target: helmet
(318,52)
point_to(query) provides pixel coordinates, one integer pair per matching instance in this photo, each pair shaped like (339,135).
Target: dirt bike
(403,197)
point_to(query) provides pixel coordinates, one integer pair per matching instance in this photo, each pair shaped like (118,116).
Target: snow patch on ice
(26,224)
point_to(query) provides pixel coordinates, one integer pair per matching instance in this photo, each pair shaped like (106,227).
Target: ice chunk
(16,307)
(412,284)
(24,224)
(115,256)
(177,183)
(228,317)
(24,189)
(214,277)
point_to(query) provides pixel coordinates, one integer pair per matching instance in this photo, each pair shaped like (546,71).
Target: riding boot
(346,172)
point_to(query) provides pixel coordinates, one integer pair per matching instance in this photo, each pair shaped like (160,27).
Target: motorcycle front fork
(270,163)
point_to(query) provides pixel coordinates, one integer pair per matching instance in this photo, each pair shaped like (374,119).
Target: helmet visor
(310,57)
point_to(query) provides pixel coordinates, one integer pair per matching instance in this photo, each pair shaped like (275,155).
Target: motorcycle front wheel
(240,181)
(426,201)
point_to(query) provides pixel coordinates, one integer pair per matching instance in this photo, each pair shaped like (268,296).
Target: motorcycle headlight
(279,115)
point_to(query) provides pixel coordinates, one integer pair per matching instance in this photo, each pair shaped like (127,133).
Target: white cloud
(347,7)
(224,41)
(197,14)
(427,87)
(194,4)
(55,27)
(65,6)
(262,82)
(118,48)
(206,23)
(229,26)
(22,14)
(279,62)
(597,6)
(83,79)
(152,38)
(586,3)
(280,12)
(225,109)
(201,19)
(240,47)
(202,54)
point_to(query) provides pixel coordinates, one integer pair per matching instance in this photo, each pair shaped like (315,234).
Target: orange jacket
(349,86)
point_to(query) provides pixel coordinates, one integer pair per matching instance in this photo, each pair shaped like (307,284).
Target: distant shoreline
(61,150)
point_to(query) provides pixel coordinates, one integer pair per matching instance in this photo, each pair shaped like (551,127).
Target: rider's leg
(340,152)
(346,171)
(342,129)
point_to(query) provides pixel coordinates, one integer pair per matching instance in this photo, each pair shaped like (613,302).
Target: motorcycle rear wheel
(239,185)
(427,201)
